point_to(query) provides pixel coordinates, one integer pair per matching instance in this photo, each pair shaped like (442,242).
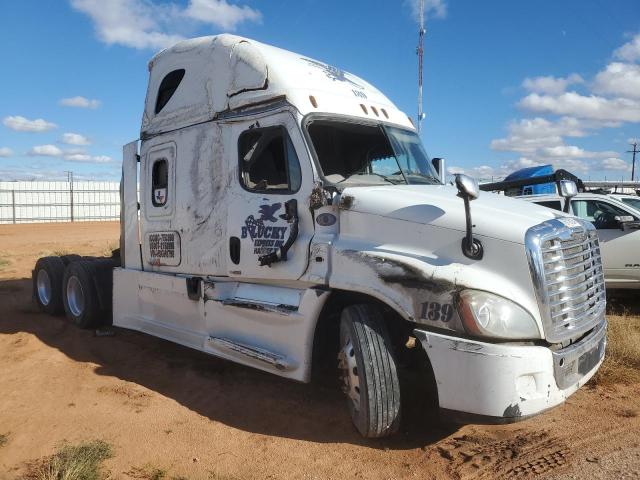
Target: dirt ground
(168,409)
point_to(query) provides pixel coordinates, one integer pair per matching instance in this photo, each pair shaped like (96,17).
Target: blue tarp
(532,172)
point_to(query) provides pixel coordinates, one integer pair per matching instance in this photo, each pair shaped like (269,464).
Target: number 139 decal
(436,312)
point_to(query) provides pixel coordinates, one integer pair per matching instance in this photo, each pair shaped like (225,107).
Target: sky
(507,84)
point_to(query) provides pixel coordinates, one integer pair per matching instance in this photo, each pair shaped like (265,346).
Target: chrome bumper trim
(573,362)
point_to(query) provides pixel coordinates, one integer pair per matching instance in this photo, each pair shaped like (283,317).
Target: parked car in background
(628,199)
(618,227)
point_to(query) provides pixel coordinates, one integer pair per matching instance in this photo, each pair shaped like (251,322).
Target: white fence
(29,202)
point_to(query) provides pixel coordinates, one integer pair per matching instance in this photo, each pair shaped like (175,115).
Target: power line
(633,164)
(420,52)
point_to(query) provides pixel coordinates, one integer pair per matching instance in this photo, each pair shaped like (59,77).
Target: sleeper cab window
(168,87)
(268,161)
(159,182)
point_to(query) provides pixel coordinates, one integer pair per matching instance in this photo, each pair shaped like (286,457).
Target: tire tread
(380,400)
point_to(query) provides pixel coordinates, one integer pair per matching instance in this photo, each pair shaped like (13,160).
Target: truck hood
(493,215)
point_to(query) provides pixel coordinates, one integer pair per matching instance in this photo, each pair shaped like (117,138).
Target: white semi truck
(288,215)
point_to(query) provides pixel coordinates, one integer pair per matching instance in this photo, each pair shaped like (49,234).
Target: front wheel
(369,372)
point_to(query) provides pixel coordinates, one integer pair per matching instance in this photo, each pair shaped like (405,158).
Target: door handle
(234,249)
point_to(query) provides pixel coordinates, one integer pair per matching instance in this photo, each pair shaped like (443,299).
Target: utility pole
(420,52)
(633,164)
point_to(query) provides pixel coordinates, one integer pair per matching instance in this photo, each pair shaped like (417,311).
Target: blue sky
(507,83)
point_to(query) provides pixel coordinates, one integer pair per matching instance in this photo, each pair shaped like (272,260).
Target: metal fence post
(71,193)
(13,205)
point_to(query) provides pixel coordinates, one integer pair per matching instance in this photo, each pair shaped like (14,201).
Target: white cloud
(5,152)
(72,155)
(630,51)
(79,102)
(102,159)
(432,8)
(45,151)
(551,85)
(619,79)
(571,151)
(581,106)
(530,134)
(152,24)
(75,139)
(84,158)
(221,14)
(21,124)
(615,163)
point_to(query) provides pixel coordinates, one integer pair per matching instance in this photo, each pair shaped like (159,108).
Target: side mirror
(567,188)
(438,164)
(627,222)
(467,187)
(468,190)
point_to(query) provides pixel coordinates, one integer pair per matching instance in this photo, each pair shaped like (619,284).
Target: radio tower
(420,52)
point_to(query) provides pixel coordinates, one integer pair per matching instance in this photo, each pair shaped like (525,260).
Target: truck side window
(168,87)
(159,182)
(601,214)
(268,161)
(555,204)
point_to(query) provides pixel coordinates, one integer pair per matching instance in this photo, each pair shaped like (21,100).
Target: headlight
(488,315)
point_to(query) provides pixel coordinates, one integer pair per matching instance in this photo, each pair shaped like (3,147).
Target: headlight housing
(488,315)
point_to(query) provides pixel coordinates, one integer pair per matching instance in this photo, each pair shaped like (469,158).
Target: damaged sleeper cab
(290,220)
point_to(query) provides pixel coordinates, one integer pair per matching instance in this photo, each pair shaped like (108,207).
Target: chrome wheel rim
(43,284)
(75,296)
(349,368)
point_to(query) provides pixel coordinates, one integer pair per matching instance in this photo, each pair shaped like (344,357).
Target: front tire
(369,372)
(79,294)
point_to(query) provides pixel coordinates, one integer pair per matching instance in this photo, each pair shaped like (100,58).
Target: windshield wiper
(422,175)
(372,173)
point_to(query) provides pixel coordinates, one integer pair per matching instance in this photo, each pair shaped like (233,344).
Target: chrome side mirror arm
(468,190)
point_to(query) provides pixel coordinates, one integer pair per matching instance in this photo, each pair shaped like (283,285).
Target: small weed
(148,472)
(73,462)
(4,263)
(629,413)
(4,438)
(108,251)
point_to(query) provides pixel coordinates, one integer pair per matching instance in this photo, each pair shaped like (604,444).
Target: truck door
(620,248)
(269,221)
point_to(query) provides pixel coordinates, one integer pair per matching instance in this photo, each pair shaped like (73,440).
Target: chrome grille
(564,255)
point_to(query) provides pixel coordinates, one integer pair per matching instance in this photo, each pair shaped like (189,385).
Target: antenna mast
(420,52)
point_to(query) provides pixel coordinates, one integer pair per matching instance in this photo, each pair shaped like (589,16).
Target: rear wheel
(47,284)
(369,372)
(79,295)
(72,257)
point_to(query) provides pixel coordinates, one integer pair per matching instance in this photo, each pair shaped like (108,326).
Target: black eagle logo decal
(267,212)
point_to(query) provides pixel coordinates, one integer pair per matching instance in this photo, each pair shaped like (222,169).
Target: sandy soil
(198,417)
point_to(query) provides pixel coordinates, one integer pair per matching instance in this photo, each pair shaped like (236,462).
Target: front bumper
(503,382)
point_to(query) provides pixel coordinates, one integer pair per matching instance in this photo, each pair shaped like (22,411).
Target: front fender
(424,288)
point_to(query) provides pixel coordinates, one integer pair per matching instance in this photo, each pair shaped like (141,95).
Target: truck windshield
(352,153)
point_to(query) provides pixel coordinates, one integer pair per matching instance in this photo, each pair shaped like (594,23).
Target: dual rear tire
(68,284)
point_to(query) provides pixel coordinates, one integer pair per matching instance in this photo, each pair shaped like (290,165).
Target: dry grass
(622,358)
(73,462)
